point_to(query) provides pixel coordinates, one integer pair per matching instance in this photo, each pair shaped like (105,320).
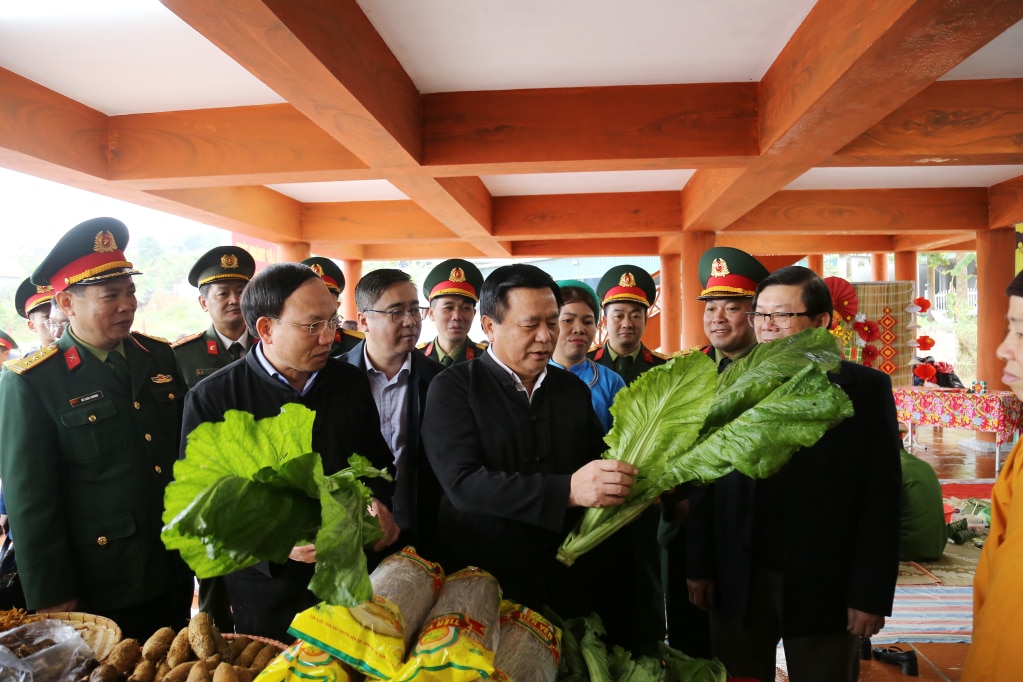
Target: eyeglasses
(779,320)
(398,315)
(316,328)
(56,326)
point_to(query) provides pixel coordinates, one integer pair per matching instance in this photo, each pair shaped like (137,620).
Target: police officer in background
(92,426)
(452,288)
(626,293)
(33,303)
(220,275)
(345,339)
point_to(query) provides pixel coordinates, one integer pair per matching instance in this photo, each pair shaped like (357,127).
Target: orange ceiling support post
(352,270)
(906,269)
(693,245)
(879,266)
(996,266)
(815,261)
(671,302)
(292,252)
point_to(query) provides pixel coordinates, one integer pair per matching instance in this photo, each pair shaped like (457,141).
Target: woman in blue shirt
(578,328)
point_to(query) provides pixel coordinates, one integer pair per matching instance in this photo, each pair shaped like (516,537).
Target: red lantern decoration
(870,354)
(924,304)
(925,372)
(925,342)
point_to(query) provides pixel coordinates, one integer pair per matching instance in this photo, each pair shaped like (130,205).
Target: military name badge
(84,399)
(162,379)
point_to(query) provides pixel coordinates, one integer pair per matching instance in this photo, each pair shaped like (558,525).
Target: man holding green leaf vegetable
(516,445)
(289,308)
(808,556)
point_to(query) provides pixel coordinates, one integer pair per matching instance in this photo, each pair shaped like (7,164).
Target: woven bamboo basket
(265,640)
(99,632)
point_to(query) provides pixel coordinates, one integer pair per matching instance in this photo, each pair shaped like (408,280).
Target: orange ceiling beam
(786,244)
(876,53)
(550,248)
(876,211)
(976,122)
(1006,203)
(592,216)
(952,241)
(652,126)
(380,222)
(253,210)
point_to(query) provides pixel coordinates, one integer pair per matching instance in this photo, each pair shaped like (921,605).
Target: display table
(998,411)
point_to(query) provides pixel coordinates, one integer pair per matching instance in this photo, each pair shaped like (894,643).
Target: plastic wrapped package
(45,650)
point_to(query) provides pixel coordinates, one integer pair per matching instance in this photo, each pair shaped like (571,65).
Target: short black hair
(373,285)
(494,293)
(815,293)
(266,292)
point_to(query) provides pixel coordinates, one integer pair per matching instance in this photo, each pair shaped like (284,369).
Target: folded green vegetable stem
(683,422)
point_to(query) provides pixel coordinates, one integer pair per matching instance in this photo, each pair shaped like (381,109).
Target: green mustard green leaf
(234,470)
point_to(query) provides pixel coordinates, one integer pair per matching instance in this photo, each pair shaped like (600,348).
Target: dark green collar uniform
(203,353)
(88,448)
(632,284)
(461,279)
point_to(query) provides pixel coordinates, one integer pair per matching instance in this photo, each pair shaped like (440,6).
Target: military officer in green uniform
(7,344)
(92,427)
(452,289)
(626,293)
(330,273)
(33,303)
(220,275)
(729,278)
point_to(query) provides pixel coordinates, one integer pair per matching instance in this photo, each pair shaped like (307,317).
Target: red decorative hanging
(843,299)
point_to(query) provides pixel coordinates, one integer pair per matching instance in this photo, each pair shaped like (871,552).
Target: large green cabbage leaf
(683,422)
(249,490)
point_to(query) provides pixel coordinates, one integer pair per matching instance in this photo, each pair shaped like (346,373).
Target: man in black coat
(391,319)
(515,444)
(290,310)
(810,555)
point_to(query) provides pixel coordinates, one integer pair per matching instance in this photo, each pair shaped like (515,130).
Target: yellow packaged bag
(529,645)
(376,650)
(302,662)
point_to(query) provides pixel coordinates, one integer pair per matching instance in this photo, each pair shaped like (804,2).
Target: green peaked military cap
(88,253)
(726,272)
(329,272)
(453,277)
(7,342)
(222,263)
(29,296)
(629,283)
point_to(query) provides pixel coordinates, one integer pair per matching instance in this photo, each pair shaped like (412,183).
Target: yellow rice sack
(376,651)
(302,662)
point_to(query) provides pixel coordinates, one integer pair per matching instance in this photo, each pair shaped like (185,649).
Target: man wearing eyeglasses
(808,556)
(391,319)
(295,317)
(34,303)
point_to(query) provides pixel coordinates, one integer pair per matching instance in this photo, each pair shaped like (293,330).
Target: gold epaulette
(353,333)
(662,356)
(185,339)
(151,337)
(421,346)
(687,351)
(22,365)
(482,345)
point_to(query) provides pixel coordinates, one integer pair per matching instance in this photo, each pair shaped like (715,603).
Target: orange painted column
(671,302)
(292,252)
(352,270)
(815,261)
(906,269)
(693,246)
(879,266)
(996,266)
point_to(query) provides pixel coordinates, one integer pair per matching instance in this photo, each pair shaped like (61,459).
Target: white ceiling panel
(586,183)
(353,190)
(905,178)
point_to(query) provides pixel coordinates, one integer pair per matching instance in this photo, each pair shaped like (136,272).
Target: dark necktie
(725,362)
(236,350)
(118,367)
(622,365)
(447,361)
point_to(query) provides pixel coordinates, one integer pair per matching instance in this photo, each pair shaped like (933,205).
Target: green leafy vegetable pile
(682,422)
(585,658)
(248,491)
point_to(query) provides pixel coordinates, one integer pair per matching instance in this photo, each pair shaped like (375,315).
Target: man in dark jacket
(516,446)
(294,317)
(810,555)
(391,319)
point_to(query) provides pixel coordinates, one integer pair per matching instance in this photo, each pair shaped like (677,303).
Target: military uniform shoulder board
(482,345)
(688,351)
(350,332)
(22,365)
(187,339)
(423,345)
(655,354)
(151,337)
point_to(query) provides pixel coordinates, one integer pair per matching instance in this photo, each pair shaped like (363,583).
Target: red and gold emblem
(229,261)
(44,289)
(627,280)
(457,275)
(719,268)
(104,242)
(318,269)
